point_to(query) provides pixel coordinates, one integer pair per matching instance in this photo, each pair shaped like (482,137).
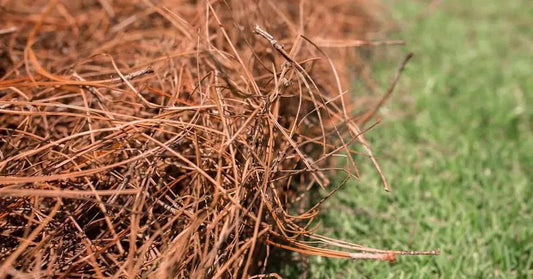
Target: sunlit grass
(457,146)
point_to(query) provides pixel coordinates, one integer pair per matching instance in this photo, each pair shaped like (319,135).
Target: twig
(390,89)
(8,30)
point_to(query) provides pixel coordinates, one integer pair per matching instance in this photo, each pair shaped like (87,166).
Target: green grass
(457,146)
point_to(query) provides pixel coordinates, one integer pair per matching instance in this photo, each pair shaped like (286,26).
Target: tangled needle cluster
(171,138)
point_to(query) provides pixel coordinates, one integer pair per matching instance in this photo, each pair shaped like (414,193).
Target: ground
(456,143)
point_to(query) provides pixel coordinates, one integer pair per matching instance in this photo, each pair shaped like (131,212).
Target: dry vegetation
(173,138)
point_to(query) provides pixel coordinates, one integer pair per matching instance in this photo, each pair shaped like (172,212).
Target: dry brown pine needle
(173,138)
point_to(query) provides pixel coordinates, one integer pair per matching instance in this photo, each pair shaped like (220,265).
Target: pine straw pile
(172,138)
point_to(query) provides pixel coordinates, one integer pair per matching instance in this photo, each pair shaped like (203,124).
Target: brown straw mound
(171,138)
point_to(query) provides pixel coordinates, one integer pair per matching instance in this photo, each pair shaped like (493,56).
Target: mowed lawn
(456,143)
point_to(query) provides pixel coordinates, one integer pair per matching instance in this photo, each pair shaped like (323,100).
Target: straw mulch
(172,138)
